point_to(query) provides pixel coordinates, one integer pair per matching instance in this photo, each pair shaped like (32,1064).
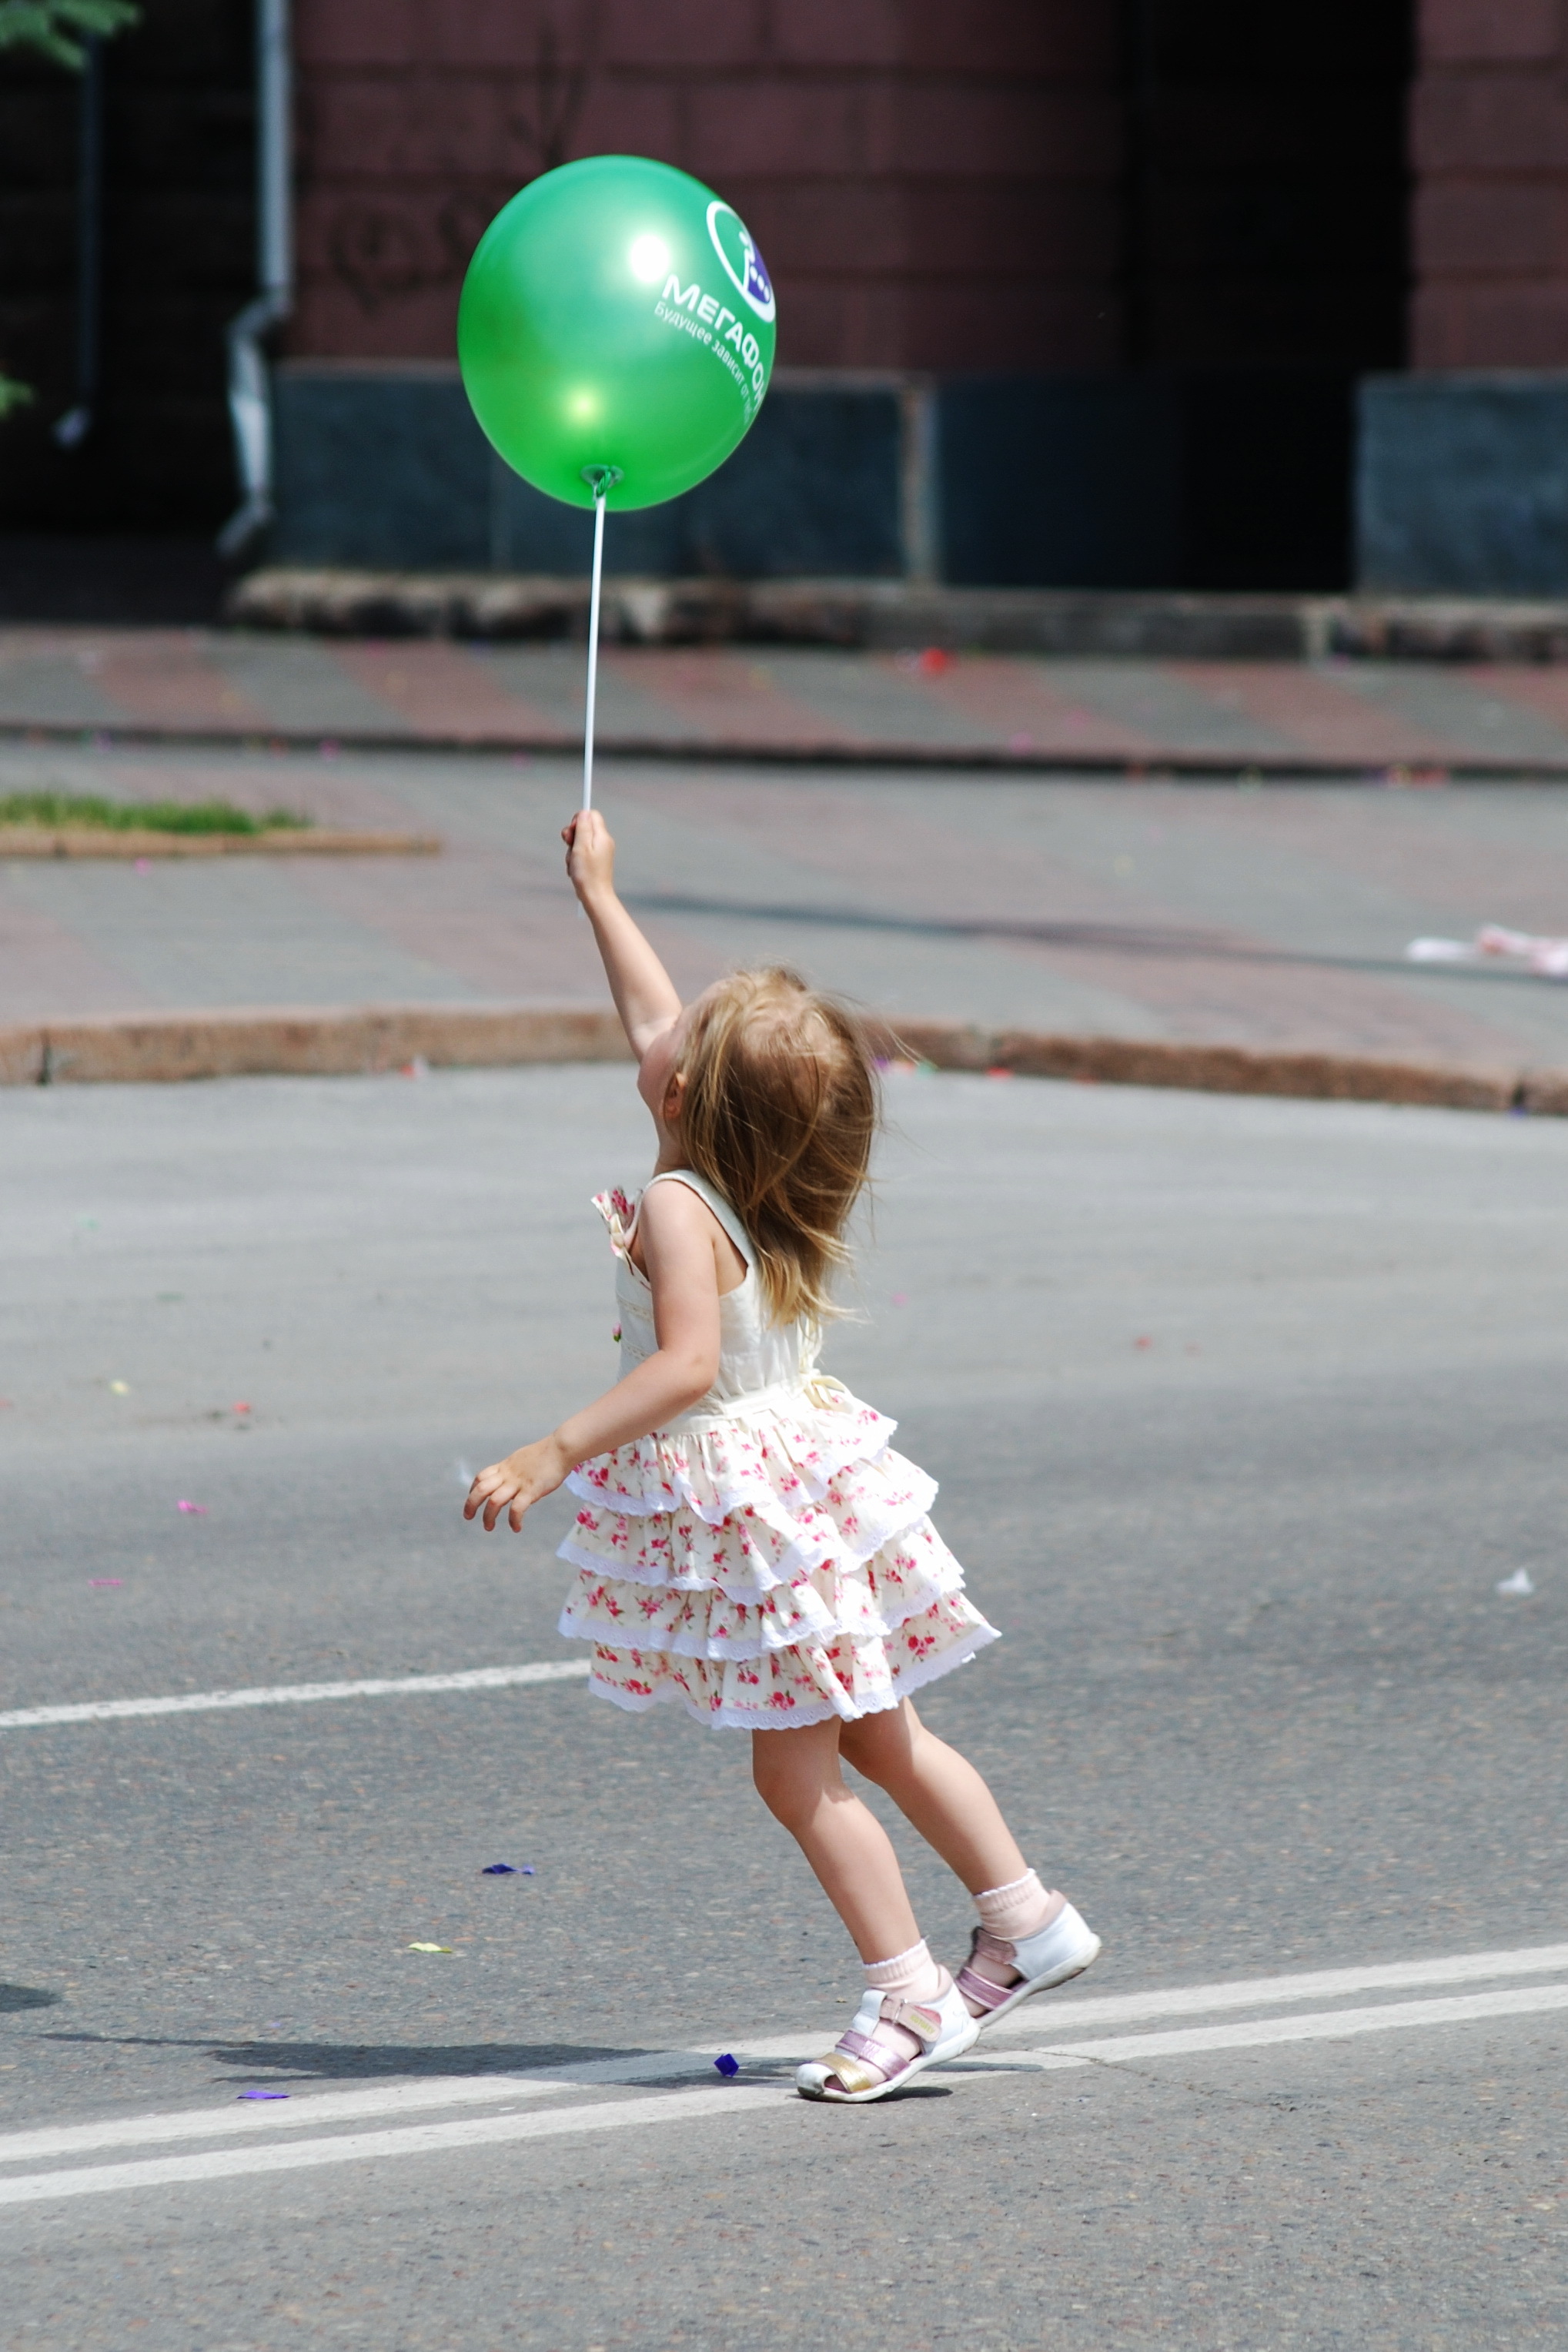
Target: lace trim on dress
(638,1696)
(871,1605)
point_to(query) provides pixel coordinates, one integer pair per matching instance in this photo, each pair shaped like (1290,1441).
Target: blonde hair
(779,1113)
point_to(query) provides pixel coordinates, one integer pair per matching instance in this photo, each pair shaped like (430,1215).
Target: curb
(304,1042)
(333,1042)
(890,615)
(1166,766)
(282,841)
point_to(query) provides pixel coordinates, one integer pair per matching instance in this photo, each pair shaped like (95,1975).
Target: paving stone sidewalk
(1267,915)
(1343,716)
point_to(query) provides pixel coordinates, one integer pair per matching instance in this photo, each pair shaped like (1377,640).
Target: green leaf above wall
(60,28)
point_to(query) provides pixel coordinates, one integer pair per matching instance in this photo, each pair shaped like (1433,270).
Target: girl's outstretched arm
(644,994)
(678,1241)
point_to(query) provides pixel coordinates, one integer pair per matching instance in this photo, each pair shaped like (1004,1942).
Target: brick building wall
(1490,149)
(932,186)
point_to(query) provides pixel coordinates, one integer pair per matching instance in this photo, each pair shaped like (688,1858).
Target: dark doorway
(1266,263)
(177,262)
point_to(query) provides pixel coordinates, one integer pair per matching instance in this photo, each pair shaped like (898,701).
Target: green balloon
(616,313)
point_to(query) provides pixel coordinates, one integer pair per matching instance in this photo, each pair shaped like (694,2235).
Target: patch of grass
(62,809)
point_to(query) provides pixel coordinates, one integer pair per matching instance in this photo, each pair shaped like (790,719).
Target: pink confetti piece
(239,1408)
(900,1298)
(102,1582)
(198,1510)
(1143,1343)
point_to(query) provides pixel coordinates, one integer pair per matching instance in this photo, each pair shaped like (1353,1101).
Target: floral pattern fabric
(776,1569)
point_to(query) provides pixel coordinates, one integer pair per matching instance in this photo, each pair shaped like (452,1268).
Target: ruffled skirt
(765,1574)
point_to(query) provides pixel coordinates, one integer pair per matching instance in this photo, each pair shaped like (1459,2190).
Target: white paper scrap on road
(471,1678)
(1546,958)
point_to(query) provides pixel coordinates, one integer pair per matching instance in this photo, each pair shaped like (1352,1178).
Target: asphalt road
(1241,1410)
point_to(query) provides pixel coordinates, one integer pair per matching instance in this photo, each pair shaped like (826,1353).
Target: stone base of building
(1133,481)
(1092,479)
(899,615)
(1462,484)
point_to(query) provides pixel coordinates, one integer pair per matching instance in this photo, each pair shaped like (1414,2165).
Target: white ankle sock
(1020,1908)
(911,1975)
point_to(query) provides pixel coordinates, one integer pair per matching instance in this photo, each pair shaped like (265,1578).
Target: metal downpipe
(250,391)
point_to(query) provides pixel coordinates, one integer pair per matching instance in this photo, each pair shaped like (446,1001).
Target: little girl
(749,1542)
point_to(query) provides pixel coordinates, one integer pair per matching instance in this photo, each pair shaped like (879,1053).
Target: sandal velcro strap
(878,2054)
(979,1992)
(925,2025)
(916,2018)
(850,2074)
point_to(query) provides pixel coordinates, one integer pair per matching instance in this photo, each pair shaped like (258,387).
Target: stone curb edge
(105,841)
(889,615)
(341,1041)
(1152,767)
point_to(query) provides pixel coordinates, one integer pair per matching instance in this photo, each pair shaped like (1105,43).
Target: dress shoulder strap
(715,1201)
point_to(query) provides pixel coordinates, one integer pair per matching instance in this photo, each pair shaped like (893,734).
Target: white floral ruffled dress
(767,1558)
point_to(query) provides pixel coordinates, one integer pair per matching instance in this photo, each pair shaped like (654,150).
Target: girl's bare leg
(799,1780)
(938,1792)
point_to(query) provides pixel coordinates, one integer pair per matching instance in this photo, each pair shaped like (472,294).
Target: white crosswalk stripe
(304,2131)
(471,1678)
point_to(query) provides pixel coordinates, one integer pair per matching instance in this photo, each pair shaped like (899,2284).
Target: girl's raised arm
(644,994)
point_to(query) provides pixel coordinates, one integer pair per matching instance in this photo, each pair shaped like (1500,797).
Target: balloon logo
(617,324)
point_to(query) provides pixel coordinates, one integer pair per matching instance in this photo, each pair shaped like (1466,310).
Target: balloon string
(600,489)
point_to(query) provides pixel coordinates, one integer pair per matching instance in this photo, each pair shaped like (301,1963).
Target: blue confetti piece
(264,2094)
(498,1870)
(528,1870)
(727,2066)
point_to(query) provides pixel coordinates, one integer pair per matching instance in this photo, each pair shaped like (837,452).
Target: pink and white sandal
(868,2062)
(1054,1957)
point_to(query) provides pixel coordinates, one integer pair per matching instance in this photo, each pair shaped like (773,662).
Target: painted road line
(1237,1992)
(1317,1984)
(709,2105)
(1258,2034)
(310,2109)
(475,1678)
(317,2109)
(432,2138)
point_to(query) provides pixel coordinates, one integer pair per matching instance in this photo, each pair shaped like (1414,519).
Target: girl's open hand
(515,1485)
(589,855)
